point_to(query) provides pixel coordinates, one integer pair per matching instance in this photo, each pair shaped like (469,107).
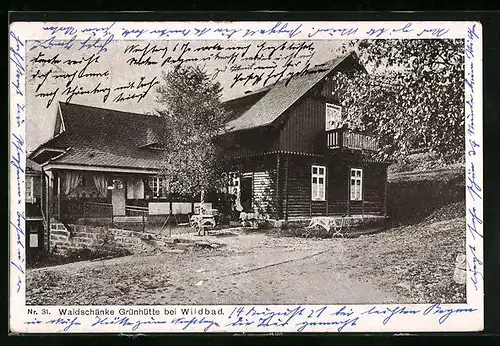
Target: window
(29,189)
(356,184)
(157,186)
(318,182)
(333,116)
(234,183)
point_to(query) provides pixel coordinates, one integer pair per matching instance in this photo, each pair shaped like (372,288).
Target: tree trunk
(202,200)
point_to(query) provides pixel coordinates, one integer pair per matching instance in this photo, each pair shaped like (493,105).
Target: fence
(103,214)
(165,217)
(135,218)
(95,213)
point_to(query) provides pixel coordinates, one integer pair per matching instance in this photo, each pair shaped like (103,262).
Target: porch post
(42,210)
(279,203)
(287,157)
(58,196)
(48,206)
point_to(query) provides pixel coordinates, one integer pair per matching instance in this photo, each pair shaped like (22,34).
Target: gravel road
(252,268)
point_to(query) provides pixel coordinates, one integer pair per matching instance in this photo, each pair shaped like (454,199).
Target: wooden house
(292,156)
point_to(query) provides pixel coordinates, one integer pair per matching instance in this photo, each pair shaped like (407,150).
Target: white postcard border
(305,318)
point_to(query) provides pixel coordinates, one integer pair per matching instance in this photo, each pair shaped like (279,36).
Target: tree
(413,99)
(194,116)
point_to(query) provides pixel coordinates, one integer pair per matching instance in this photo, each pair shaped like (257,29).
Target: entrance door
(34,240)
(246,193)
(118,198)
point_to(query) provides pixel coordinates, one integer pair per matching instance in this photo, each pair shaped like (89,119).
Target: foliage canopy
(413,100)
(190,104)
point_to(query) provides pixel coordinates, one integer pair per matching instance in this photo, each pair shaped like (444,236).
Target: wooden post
(42,209)
(362,196)
(279,210)
(48,201)
(348,190)
(41,192)
(327,172)
(143,222)
(286,185)
(58,196)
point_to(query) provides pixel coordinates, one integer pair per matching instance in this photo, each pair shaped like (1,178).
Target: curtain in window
(101,184)
(135,188)
(71,180)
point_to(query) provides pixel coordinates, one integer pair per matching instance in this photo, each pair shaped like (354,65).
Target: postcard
(245,177)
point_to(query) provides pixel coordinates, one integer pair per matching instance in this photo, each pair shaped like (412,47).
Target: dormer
(152,140)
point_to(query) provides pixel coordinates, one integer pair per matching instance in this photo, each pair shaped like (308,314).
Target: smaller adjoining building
(103,165)
(36,221)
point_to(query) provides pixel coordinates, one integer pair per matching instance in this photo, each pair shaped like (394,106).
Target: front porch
(75,194)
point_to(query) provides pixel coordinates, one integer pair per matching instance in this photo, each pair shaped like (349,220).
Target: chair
(338,225)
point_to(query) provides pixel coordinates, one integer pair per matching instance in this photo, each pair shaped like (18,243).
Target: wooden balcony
(344,139)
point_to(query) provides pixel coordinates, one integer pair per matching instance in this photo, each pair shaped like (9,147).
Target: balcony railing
(343,138)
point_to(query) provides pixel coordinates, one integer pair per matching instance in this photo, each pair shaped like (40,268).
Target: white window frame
(156,188)
(234,183)
(318,172)
(327,125)
(355,194)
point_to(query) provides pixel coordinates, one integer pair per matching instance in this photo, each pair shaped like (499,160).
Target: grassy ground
(416,261)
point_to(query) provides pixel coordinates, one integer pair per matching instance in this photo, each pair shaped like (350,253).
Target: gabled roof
(102,137)
(264,106)
(32,166)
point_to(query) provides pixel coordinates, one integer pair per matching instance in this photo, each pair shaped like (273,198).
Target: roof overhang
(76,167)
(350,57)
(45,154)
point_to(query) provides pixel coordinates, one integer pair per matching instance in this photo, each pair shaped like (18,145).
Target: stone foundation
(78,237)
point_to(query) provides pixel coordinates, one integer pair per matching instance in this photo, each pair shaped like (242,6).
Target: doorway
(246,192)
(118,197)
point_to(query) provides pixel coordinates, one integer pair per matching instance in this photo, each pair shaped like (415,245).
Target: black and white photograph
(289,170)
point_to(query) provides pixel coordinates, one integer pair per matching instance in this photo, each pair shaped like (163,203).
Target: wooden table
(337,224)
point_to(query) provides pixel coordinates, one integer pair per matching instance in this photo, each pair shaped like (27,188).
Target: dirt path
(251,269)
